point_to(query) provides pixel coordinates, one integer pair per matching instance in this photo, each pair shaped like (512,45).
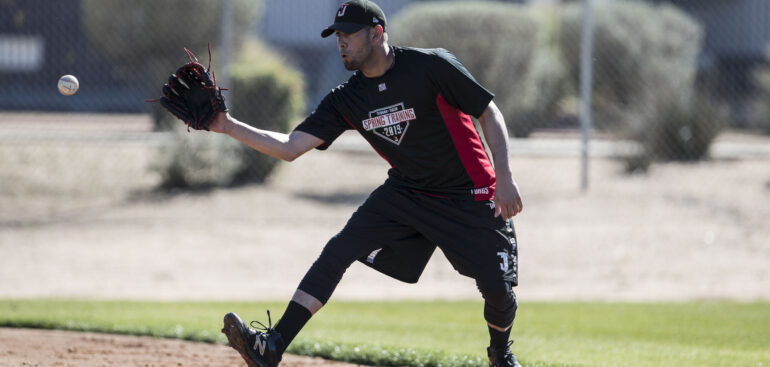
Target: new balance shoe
(502,357)
(258,348)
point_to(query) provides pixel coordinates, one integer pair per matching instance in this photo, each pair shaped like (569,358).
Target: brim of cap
(342,27)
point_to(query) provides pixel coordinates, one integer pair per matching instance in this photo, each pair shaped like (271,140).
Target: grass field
(422,333)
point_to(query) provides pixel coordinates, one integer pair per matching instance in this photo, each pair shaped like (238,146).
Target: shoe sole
(237,336)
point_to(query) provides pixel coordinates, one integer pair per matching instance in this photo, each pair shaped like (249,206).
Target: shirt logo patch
(382,87)
(482,191)
(390,123)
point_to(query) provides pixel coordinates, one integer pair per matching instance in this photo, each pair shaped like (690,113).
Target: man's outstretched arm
(279,145)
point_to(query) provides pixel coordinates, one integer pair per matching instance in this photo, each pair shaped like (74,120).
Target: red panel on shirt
(470,149)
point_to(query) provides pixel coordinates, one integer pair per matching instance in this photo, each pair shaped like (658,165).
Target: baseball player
(413,106)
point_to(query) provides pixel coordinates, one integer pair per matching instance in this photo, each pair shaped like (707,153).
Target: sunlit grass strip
(449,333)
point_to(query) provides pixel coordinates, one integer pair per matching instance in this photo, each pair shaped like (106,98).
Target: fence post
(586,77)
(226,43)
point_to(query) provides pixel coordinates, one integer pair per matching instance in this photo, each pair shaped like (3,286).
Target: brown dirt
(682,232)
(27,347)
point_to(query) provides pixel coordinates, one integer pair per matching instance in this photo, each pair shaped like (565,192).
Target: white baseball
(68,85)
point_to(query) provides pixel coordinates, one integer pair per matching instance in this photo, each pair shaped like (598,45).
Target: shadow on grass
(336,198)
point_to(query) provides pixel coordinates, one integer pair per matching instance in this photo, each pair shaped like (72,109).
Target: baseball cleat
(258,348)
(502,357)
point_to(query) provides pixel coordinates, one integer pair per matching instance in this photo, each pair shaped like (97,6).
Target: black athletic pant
(396,231)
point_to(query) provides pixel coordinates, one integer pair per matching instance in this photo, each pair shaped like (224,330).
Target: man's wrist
(226,124)
(504,171)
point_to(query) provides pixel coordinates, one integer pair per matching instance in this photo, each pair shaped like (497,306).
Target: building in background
(737,42)
(41,40)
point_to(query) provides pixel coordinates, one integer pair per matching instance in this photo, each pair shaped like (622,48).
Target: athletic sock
(498,339)
(293,320)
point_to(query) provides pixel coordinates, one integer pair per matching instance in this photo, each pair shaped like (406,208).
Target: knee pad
(500,307)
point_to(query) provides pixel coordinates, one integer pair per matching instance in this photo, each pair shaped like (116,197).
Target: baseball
(68,85)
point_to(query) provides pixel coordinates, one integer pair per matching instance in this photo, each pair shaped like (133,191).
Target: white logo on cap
(341,12)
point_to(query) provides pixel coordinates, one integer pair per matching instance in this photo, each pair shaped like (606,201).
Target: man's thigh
(476,243)
(376,237)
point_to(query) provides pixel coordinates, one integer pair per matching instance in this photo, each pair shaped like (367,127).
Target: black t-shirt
(416,116)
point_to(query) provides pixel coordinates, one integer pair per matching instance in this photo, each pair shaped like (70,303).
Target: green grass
(450,333)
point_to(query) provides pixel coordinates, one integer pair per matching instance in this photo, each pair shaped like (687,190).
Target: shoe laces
(506,354)
(501,354)
(504,349)
(261,327)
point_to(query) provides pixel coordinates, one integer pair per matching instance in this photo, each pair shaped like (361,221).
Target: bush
(684,130)
(504,46)
(640,51)
(681,130)
(196,160)
(266,94)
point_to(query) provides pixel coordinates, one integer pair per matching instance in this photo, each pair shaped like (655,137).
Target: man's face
(355,48)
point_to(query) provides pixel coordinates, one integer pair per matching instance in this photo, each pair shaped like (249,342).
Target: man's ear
(377,32)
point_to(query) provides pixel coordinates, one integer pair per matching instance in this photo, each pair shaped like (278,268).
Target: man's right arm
(279,145)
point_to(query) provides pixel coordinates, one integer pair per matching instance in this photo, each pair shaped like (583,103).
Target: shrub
(265,93)
(640,52)
(196,160)
(268,95)
(681,130)
(502,45)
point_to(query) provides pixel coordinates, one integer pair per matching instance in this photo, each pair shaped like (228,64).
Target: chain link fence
(105,195)
(673,81)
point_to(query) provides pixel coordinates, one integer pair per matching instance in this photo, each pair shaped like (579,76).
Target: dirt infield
(683,232)
(26,347)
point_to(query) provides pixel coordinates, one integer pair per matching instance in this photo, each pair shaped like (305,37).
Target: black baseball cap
(354,15)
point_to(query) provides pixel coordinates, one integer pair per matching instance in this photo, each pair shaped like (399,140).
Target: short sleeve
(457,85)
(324,123)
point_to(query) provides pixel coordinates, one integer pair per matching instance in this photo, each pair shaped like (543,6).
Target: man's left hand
(507,199)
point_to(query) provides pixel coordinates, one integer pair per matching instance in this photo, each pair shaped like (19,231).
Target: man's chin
(350,65)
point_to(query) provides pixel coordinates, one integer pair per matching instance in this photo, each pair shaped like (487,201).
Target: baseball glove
(192,94)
